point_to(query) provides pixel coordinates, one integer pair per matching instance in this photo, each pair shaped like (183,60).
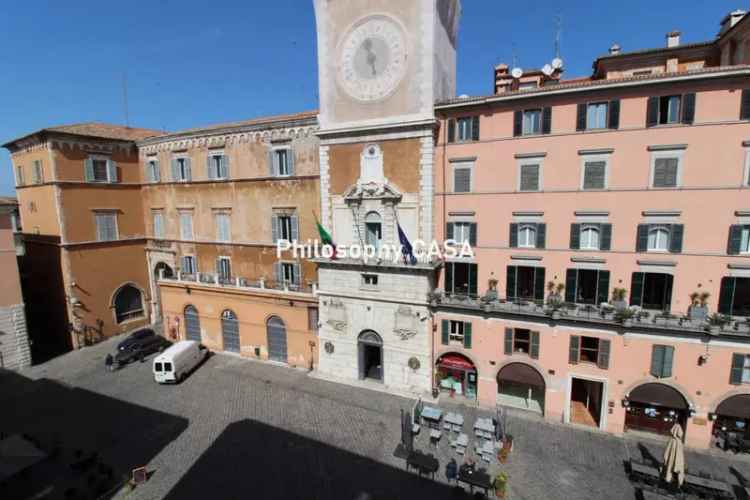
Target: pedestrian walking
(109,362)
(451,470)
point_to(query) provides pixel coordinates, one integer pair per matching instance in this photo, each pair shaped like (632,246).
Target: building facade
(609,218)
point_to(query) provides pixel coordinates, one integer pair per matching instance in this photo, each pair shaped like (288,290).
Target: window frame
(592,227)
(214,155)
(457,165)
(153,167)
(193,263)
(287,149)
(106,213)
(157,212)
(289,265)
(746,370)
(369,280)
(454,335)
(532,227)
(538,162)
(20,176)
(654,229)
(591,159)
(93,158)
(606,115)
(680,104)
(217,216)
(596,351)
(523,121)
(746,173)
(182,161)
(219,269)
(184,213)
(37,173)
(465,232)
(666,154)
(282,219)
(526,342)
(469,129)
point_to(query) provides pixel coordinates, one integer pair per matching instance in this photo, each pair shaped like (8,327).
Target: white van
(175,363)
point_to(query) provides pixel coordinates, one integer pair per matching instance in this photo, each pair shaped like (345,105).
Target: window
(665,172)
(189,265)
(659,238)
(463,129)
(456,332)
(181,171)
(527,236)
(313,319)
(594,174)
(186,226)
(128,303)
(462,178)
(586,286)
(525,283)
(373,230)
(282,162)
(590,237)
(20,181)
(158,224)
(532,121)
(739,239)
(661,361)
(596,115)
(285,227)
(289,273)
(218,165)
(734,296)
(589,350)
(521,341)
(745,105)
(461,279)
(224,269)
(223,227)
(152,170)
(37,173)
(651,291)
(167,367)
(529,177)
(740,372)
(462,232)
(670,109)
(106,226)
(100,169)
(370,280)
(157,367)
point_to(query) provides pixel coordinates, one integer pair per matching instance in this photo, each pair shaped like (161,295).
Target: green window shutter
(451,130)
(534,349)
(735,239)
(508,341)
(602,287)
(517,123)
(473,280)
(581,117)
(688,108)
(475,128)
(636,289)
(641,240)
(88,170)
(675,238)
(652,111)
(571,282)
(726,295)
(738,364)
(449,278)
(473,234)
(210,170)
(449,231)
(541,235)
(467,335)
(513,236)
(614,114)
(445,332)
(745,105)
(605,243)
(539,284)
(666,370)
(573,353)
(657,360)
(603,359)
(510,282)
(546,120)
(575,236)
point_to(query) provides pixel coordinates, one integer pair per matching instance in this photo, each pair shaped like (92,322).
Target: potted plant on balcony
(625,316)
(698,309)
(618,298)
(435,297)
(500,483)
(715,322)
(491,294)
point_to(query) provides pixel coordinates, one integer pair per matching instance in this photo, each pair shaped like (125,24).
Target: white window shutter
(112,171)
(88,169)
(295,227)
(210,167)
(290,161)
(275,233)
(188,170)
(277,276)
(271,163)
(297,280)
(175,170)
(157,171)
(225,166)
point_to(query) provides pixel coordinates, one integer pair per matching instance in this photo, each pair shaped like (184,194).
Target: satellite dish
(547,69)
(557,63)
(517,73)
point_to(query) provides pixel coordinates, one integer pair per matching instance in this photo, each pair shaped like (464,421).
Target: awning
(456,361)
(658,395)
(735,406)
(521,373)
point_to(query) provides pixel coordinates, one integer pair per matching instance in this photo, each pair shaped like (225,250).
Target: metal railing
(238,282)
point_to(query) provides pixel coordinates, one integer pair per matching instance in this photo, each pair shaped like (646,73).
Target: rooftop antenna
(125,98)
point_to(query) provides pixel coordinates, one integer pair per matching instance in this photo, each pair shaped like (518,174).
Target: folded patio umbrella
(674,456)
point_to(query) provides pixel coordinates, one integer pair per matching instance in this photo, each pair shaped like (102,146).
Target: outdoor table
(484,428)
(456,420)
(487,451)
(705,484)
(432,416)
(475,479)
(423,463)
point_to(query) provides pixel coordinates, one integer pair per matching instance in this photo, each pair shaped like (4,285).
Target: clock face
(372,59)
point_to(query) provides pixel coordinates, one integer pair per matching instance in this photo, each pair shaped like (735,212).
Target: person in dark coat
(109,362)
(451,470)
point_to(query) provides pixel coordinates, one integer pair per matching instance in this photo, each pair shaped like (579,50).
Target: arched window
(658,239)
(590,238)
(276,334)
(128,303)
(192,324)
(527,236)
(230,331)
(373,229)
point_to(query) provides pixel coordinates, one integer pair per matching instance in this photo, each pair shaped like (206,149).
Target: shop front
(655,408)
(521,386)
(457,375)
(732,422)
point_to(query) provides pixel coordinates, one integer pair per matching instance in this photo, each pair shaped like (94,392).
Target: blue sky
(191,63)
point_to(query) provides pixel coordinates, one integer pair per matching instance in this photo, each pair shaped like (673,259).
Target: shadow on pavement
(253,460)
(92,441)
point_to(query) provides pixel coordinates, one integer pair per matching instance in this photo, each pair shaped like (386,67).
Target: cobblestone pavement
(243,429)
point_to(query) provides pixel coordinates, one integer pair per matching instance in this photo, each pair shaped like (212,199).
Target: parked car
(175,363)
(139,345)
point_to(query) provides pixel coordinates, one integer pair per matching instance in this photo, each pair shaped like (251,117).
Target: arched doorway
(370,349)
(276,331)
(457,374)
(655,407)
(192,324)
(128,302)
(160,269)
(732,419)
(521,386)
(230,331)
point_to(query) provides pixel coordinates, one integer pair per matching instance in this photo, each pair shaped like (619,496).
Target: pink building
(635,178)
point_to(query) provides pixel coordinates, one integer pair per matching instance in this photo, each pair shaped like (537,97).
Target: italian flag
(325,236)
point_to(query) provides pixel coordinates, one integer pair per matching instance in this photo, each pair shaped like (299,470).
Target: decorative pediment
(337,315)
(372,191)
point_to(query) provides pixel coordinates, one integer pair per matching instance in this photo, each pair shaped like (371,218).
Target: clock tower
(382,66)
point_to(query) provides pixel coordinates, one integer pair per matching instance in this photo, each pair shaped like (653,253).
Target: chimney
(614,49)
(673,39)
(731,19)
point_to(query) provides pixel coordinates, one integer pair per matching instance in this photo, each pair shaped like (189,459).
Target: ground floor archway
(655,407)
(160,270)
(370,353)
(457,374)
(192,324)
(277,342)
(521,386)
(732,422)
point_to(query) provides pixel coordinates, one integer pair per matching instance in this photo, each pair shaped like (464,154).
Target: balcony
(240,283)
(603,314)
